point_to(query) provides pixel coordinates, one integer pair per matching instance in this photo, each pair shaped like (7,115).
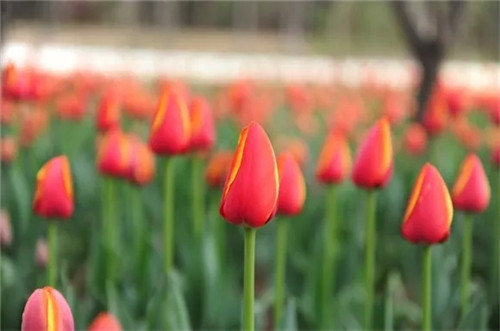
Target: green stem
(370,258)
(248,281)
(168,226)
(197,186)
(329,243)
(495,270)
(218,229)
(466,263)
(52,267)
(279,282)
(139,233)
(426,288)
(110,229)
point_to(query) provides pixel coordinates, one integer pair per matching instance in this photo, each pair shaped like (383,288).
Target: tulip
(105,322)
(54,199)
(72,106)
(16,84)
(114,154)
(373,169)
(495,155)
(108,112)
(141,168)
(470,193)
(334,161)
(8,149)
(47,310)
(436,113)
(415,139)
(249,199)
(427,220)
(217,168)
(291,197)
(5,229)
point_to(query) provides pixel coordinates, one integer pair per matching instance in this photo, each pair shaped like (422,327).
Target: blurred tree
(430,27)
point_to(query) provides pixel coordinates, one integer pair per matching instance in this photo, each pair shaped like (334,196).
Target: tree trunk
(430,62)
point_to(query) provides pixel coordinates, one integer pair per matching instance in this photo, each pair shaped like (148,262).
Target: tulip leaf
(177,315)
(290,318)
(21,193)
(476,316)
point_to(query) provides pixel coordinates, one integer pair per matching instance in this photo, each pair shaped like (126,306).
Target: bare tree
(430,27)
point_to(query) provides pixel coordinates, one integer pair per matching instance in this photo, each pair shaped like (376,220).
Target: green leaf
(290,320)
(177,315)
(476,317)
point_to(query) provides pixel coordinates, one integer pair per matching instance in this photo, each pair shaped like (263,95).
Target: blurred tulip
(395,108)
(142,163)
(436,113)
(105,322)
(239,93)
(8,149)
(292,187)
(41,253)
(374,162)
(33,123)
(299,98)
(5,229)
(54,189)
(7,112)
(457,101)
(218,168)
(251,189)
(334,161)
(429,212)
(495,155)
(415,139)
(16,83)
(47,310)
(297,147)
(170,129)
(114,154)
(471,191)
(72,106)
(108,111)
(202,126)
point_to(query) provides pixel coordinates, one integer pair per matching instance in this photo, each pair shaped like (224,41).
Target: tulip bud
(429,211)
(105,322)
(8,149)
(374,162)
(142,164)
(202,126)
(217,168)
(436,113)
(170,129)
(108,112)
(5,229)
(471,191)
(251,189)
(47,310)
(292,187)
(114,154)
(415,139)
(54,189)
(41,253)
(334,161)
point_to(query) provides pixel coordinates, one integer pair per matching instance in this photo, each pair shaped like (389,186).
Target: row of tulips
(257,186)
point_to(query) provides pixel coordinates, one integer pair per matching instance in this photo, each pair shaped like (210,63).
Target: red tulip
(217,168)
(72,106)
(108,112)
(457,101)
(436,113)
(471,191)
(5,229)
(8,149)
(105,322)
(374,162)
(251,189)
(16,83)
(415,139)
(54,189)
(47,310)
(114,154)
(142,163)
(334,161)
(429,211)
(202,126)
(292,187)
(170,129)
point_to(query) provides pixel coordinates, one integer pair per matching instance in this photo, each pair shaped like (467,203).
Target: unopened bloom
(218,167)
(142,163)
(429,212)
(334,161)
(202,126)
(471,191)
(105,322)
(251,189)
(415,139)
(114,154)
(292,191)
(108,112)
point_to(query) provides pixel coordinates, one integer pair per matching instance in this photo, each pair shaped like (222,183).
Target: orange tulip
(108,112)
(105,322)
(436,113)
(202,126)
(415,139)
(251,189)
(334,160)
(374,162)
(292,187)
(47,310)
(114,154)
(142,163)
(471,191)
(429,212)
(54,189)
(8,149)
(217,168)
(16,83)
(170,129)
